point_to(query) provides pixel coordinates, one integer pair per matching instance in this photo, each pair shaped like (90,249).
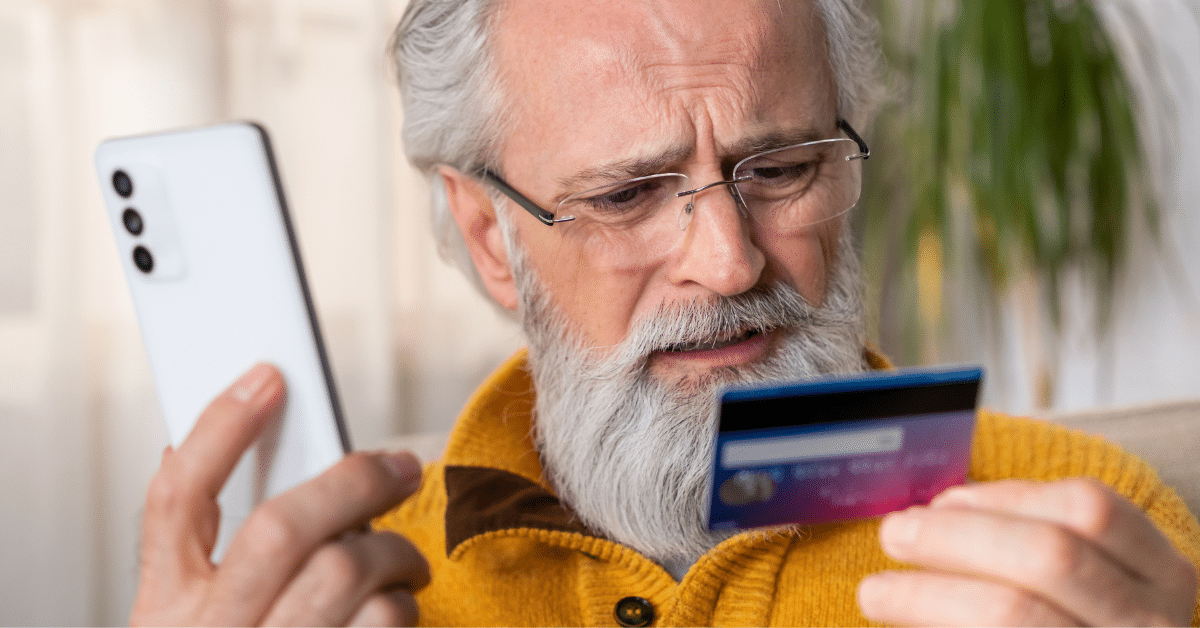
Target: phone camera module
(122,184)
(143,259)
(133,221)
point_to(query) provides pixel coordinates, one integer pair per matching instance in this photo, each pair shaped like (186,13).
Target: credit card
(840,448)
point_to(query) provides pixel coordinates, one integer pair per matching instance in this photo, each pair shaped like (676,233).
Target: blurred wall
(80,432)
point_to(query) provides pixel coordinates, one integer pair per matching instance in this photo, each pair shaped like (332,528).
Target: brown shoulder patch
(481,499)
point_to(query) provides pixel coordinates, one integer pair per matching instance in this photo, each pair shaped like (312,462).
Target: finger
(228,426)
(280,534)
(922,598)
(1047,559)
(181,516)
(393,608)
(1088,508)
(339,577)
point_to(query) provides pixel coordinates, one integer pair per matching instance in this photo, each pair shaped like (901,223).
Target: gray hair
(455,114)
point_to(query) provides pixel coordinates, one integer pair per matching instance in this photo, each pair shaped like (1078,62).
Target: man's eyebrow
(755,144)
(632,167)
(620,170)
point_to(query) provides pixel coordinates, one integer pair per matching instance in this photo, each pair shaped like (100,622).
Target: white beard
(630,453)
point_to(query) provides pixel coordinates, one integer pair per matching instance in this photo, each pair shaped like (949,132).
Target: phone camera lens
(122,184)
(133,221)
(142,259)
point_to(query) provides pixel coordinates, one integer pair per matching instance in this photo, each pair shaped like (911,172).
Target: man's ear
(476,218)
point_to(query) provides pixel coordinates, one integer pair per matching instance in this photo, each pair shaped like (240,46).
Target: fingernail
(954,495)
(873,592)
(403,465)
(899,531)
(251,382)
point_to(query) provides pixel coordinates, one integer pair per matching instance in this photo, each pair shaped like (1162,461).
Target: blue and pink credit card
(841,448)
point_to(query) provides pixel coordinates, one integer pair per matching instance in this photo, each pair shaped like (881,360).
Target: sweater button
(634,611)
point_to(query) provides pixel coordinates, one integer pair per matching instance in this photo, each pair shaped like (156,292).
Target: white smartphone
(212,263)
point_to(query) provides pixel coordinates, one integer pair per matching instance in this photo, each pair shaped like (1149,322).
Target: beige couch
(1167,435)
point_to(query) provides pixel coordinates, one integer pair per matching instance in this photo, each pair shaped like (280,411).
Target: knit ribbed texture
(807,576)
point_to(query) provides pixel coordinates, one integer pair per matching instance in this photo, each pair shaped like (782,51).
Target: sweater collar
(493,475)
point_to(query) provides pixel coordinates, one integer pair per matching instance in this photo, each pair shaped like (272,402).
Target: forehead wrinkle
(741,38)
(719,77)
(744,75)
(722,72)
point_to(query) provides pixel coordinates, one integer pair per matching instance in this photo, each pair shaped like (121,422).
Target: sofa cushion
(1164,434)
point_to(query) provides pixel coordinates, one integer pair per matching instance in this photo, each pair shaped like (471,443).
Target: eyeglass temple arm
(849,130)
(547,218)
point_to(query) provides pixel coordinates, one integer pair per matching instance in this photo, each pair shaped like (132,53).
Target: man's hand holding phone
(303,557)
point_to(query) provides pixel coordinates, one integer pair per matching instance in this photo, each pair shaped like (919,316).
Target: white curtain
(80,432)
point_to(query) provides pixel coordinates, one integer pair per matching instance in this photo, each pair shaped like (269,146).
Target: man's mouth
(714,344)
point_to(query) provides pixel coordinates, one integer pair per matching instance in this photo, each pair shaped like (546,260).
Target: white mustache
(671,326)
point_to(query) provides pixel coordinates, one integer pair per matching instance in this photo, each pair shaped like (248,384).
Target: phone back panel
(225,290)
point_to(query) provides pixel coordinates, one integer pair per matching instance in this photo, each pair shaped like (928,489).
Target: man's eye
(788,173)
(625,199)
(621,196)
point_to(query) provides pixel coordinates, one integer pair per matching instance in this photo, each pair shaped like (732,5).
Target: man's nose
(718,252)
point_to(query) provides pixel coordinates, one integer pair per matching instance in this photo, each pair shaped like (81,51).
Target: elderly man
(658,190)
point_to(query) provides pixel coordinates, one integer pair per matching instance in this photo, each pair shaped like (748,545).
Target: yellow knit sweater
(503,551)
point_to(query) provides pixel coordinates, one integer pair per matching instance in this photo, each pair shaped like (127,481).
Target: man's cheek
(802,261)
